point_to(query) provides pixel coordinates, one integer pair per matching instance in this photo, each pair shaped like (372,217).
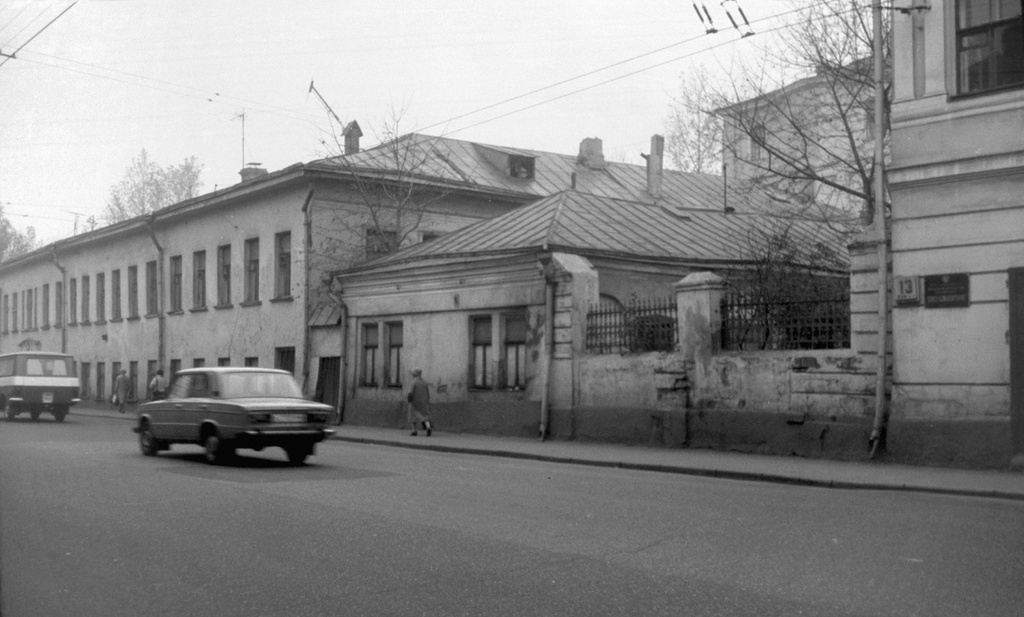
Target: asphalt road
(88,526)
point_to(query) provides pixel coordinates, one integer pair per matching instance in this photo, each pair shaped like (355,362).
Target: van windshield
(258,384)
(60,367)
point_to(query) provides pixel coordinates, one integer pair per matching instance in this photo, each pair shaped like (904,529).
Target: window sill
(222,307)
(134,318)
(282,299)
(85,322)
(198,309)
(151,315)
(250,303)
(176,312)
(100,322)
(116,320)
(368,385)
(46,327)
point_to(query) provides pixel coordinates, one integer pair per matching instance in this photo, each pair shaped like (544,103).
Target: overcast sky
(109,78)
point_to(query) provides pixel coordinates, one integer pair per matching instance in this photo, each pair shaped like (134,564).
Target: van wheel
(60,414)
(34,415)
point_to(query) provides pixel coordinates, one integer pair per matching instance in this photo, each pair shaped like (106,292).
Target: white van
(36,381)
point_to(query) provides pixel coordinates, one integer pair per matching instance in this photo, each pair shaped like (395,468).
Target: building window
(223,361)
(85,300)
(6,315)
(224,275)
(380,242)
(990,45)
(58,304)
(46,305)
(72,302)
(394,374)
(133,291)
(198,362)
(251,361)
(758,134)
(176,283)
(284,359)
(101,297)
(115,294)
(515,353)
(252,270)
(101,379)
(370,344)
(283,264)
(199,279)
(520,167)
(481,340)
(175,367)
(14,312)
(151,288)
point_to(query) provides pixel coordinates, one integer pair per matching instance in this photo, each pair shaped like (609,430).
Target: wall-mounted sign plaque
(947,290)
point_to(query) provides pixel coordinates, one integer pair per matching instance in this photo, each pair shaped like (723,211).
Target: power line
(48,24)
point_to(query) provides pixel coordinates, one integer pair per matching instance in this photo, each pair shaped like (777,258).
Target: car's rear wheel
(34,414)
(60,414)
(149,444)
(297,455)
(215,449)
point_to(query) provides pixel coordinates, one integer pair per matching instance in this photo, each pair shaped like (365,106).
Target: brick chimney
(352,133)
(592,153)
(655,165)
(252,170)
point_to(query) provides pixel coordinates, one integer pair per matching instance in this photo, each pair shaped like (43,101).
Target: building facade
(956,182)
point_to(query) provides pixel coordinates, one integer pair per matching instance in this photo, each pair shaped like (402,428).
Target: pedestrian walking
(121,390)
(419,404)
(158,387)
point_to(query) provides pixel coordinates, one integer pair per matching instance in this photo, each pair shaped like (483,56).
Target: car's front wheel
(215,449)
(149,444)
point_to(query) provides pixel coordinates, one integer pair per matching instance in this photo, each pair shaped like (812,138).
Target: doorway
(328,383)
(1016,296)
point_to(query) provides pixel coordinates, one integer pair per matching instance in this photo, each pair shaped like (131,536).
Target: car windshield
(256,384)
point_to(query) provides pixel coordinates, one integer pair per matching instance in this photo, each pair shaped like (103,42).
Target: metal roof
(573,221)
(473,165)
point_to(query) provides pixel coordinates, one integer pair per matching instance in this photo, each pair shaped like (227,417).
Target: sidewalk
(738,466)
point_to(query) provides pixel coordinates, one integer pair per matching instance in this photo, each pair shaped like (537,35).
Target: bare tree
(388,190)
(694,140)
(146,187)
(14,243)
(809,142)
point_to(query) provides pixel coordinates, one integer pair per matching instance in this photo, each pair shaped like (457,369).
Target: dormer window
(520,167)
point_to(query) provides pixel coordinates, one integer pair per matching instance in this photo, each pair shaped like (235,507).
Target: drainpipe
(63,302)
(307,222)
(343,382)
(549,333)
(161,343)
(879,429)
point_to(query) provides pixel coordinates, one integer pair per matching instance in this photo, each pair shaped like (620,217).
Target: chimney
(252,170)
(592,153)
(352,133)
(654,165)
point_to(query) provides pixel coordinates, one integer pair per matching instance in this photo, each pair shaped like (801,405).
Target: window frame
(251,260)
(175,267)
(198,279)
(988,29)
(393,365)
(369,354)
(224,276)
(133,292)
(152,290)
(115,295)
(481,362)
(101,297)
(283,264)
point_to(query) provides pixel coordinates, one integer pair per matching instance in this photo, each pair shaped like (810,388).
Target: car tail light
(317,418)
(260,418)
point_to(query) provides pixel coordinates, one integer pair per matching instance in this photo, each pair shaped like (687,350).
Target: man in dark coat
(419,403)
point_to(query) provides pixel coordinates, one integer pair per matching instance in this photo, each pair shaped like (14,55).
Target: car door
(166,414)
(195,407)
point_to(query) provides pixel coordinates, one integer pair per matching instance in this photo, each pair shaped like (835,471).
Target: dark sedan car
(225,408)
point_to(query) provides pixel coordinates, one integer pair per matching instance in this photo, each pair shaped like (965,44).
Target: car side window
(181,386)
(200,386)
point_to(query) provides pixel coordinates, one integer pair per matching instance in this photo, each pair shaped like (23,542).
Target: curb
(695,471)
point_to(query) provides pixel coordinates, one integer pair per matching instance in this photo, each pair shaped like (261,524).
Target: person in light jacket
(419,403)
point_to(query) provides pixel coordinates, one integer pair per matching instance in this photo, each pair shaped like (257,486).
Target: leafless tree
(694,141)
(147,186)
(800,124)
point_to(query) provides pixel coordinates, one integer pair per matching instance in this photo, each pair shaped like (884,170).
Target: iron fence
(755,320)
(642,325)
